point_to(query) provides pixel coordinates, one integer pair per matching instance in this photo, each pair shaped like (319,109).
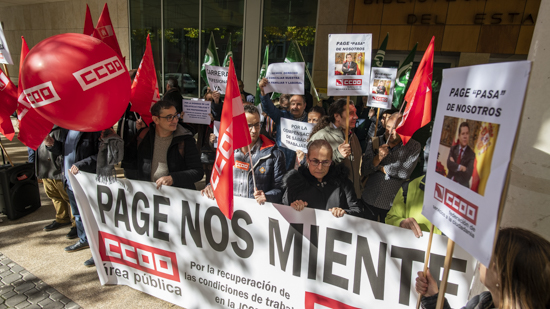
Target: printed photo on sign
(350,63)
(466,151)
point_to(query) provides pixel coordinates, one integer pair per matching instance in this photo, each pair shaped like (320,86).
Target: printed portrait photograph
(349,63)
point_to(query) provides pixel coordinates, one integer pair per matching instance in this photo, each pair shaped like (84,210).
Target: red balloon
(77,82)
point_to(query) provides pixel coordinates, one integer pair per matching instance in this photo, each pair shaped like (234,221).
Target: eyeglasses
(171,117)
(255,125)
(316,162)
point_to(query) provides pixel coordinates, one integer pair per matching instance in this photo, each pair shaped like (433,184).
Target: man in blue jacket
(268,166)
(296,112)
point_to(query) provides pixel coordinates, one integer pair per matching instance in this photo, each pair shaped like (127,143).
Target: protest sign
(216,132)
(295,133)
(474,130)
(196,111)
(176,245)
(217,78)
(5,56)
(349,62)
(285,78)
(382,82)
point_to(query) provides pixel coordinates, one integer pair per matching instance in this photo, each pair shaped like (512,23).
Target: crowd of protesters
(365,171)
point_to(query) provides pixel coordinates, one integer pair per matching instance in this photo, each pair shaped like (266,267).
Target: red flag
(234,134)
(88,23)
(8,104)
(145,89)
(33,128)
(106,32)
(418,112)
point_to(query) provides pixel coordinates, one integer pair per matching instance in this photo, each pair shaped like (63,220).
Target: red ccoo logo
(152,260)
(105,31)
(456,203)
(349,82)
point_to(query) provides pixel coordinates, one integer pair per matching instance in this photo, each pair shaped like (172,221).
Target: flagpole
(252,169)
(347,119)
(426,262)
(446,269)
(4,149)
(6,70)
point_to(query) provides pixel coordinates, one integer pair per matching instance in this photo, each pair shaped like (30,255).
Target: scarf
(111,151)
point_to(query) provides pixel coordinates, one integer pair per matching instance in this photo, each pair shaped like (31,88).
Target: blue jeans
(79,226)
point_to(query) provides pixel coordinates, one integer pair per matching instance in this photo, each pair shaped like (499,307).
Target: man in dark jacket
(79,150)
(49,168)
(269,166)
(461,158)
(166,151)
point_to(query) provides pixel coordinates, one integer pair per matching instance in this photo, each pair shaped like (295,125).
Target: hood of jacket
(301,178)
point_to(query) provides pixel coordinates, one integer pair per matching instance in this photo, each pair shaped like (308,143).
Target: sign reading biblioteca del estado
(349,61)
(176,245)
(475,125)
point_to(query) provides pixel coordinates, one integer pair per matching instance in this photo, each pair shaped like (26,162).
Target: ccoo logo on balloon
(98,73)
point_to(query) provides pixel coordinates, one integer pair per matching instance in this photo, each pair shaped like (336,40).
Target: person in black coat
(321,184)
(349,67)
(461,158)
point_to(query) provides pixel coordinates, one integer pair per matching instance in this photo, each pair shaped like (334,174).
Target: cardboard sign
(217,78)
(5,56)
(286,78)
(196,111)
(295,133)
(177,245)
(349,61)
(382,83)
(475,125)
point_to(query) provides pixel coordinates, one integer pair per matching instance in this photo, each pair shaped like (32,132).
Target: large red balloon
(77,82)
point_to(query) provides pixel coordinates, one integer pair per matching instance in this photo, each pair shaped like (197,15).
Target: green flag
(294,54)
(263,70)
(381,53)
(403,78)
(210,57)
(229,53)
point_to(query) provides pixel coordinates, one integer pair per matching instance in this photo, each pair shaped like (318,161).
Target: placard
(475,125)
(196,111)
(177,245)
(349,62)
(294,134)
(5,56)
(382,83)
(217,78)
(285,78)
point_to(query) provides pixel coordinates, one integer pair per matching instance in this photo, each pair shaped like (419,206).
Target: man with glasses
(268,165)
(166,151)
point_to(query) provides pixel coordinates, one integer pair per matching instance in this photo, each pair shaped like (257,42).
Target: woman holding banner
(518,277)
(320,184)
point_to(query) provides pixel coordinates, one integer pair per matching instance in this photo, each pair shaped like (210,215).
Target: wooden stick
(377,117)
(426,261)
(347,119)
(446,269)
(6,70)
(4,149)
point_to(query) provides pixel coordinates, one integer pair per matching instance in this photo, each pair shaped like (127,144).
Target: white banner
(176,245)
(5,56)
(217,78)
(475,125)
(294,134)
(285,78)
(349,61)
(196,111)
(382,83)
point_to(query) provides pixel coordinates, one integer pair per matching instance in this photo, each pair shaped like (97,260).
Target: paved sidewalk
(21,289)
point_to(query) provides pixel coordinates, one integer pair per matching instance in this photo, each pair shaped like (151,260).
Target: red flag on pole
(106,32)
(33,128)
(418,112)
(88,22)
(145,89)
(8,104)
(234,134)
